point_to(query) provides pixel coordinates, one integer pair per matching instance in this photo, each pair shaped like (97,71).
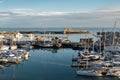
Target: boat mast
(105,40)
(44,36)
(100,41)
(93,43)
(114,33)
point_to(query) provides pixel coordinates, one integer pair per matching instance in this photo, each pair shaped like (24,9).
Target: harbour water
(47,64)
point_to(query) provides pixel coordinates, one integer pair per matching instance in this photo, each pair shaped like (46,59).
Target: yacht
(89,55)
(113,72)
(112,48)
(89,72)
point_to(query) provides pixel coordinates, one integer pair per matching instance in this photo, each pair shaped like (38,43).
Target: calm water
(47,64)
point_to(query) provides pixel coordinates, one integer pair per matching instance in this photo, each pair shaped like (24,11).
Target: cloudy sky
(59,13)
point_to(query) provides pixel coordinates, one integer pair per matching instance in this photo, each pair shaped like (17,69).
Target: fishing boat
(45,44)
(45,41)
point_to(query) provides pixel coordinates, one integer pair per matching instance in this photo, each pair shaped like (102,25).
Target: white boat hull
(88,73)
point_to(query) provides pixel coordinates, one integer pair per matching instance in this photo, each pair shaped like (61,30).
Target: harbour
(59,61)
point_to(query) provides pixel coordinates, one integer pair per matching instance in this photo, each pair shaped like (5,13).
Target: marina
(58,55)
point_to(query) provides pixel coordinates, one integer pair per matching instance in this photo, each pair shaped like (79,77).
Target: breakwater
(65,31)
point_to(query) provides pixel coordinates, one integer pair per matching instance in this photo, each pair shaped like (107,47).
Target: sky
(59,13)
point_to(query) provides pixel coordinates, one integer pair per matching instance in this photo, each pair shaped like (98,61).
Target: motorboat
(13,47)
(4,48)
(89,55)
(45,44)
(113,72)
(87,72)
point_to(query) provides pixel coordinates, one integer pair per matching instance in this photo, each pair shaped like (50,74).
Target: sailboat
(113,47)
(91,55)
(89,72)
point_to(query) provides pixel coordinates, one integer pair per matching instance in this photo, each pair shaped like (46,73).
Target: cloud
(104,17)
(29,12)
(3,14)
(21,11)
(108,9)
(51,13)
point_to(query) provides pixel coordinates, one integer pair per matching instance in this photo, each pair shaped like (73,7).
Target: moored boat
(89,73)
